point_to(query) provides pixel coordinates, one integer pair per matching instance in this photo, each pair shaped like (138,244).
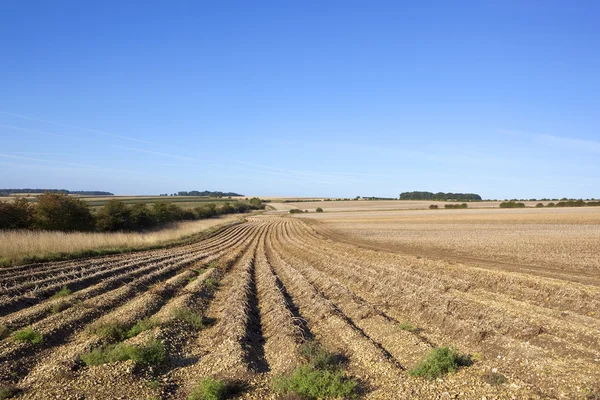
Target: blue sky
(302,98)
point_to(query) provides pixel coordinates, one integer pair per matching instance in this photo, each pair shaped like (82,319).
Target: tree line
(8,192)
(207,193)
(60,212)
(440,196)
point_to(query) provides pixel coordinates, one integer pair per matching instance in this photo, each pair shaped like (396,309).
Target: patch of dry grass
(19,244)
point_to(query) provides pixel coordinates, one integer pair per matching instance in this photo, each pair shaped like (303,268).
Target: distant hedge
(511,204)
(455,206)
(61,212)
(440,196)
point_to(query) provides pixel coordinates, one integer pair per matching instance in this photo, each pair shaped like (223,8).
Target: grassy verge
(24,256)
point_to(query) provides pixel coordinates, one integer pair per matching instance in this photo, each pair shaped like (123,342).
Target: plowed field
(264,287)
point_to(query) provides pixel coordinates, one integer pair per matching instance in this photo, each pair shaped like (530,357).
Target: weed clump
(494,378)
(312,383)
(8,391)
(189,317)
(408,326)
(111,331)
(28,335)
(211,284)
(60,306)
(65,291)
(210,389)
(151,354)
(318,357)
(141,326)
(439,362)
(4,331)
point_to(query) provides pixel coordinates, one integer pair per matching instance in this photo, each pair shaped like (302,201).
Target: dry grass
(568,238)
(16,245)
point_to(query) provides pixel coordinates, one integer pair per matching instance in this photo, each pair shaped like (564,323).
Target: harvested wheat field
(279,296)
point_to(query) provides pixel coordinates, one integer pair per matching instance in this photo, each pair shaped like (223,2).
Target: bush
(189,317)
(65,291)
(550,204)
(141,217)
(114,216)
(511,204)
(319,210)
(18,214)
(433,207)
(312,383)
(210,389)
(296,211)
(439,362)
(539,205)
(60,212)
(28,335)
(456,206)
(150,354)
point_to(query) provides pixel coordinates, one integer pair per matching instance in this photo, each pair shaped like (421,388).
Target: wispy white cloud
(566,143)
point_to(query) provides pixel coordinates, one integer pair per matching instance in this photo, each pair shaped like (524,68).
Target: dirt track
(283,281)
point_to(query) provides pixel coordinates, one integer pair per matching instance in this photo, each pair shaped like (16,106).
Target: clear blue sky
(313,98)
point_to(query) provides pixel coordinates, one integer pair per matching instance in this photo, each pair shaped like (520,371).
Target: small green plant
(141,326)
(317,356)
(4,331)
(439,362)
(60,306)
(311,383)
(211,284)
(210,389)
(494,378)
(28,335)
(111,331)
(8,391)
(65,291)
(189,317)
(151,354)
(408,326)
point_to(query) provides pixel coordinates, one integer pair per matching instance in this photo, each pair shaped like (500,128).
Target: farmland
(380,290)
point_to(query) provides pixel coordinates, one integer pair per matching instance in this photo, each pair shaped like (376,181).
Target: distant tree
(18,214)
(551,204)
(319,210)
(539,205)
(56,211)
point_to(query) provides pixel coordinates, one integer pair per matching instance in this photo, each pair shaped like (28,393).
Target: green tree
(17,214)
(114,216)
(61,212)
(141,217)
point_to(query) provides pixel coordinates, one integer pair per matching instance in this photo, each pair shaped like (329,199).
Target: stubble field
(240,305)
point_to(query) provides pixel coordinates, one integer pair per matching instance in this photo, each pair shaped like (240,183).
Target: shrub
(114,216)
(63,292)
(456,206)
(8,391)
(150,354)
(28,335)
(439,362)
(319,210)
(210,389)
(511,204)
(296,211)
(141,326)
(141,216)
(433,207)
(211,284)
(16,214)
(60,212)
(539,205)
(407,326)
(312,383)
(494,378)
(4,331)
(550,204)
(189,317)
